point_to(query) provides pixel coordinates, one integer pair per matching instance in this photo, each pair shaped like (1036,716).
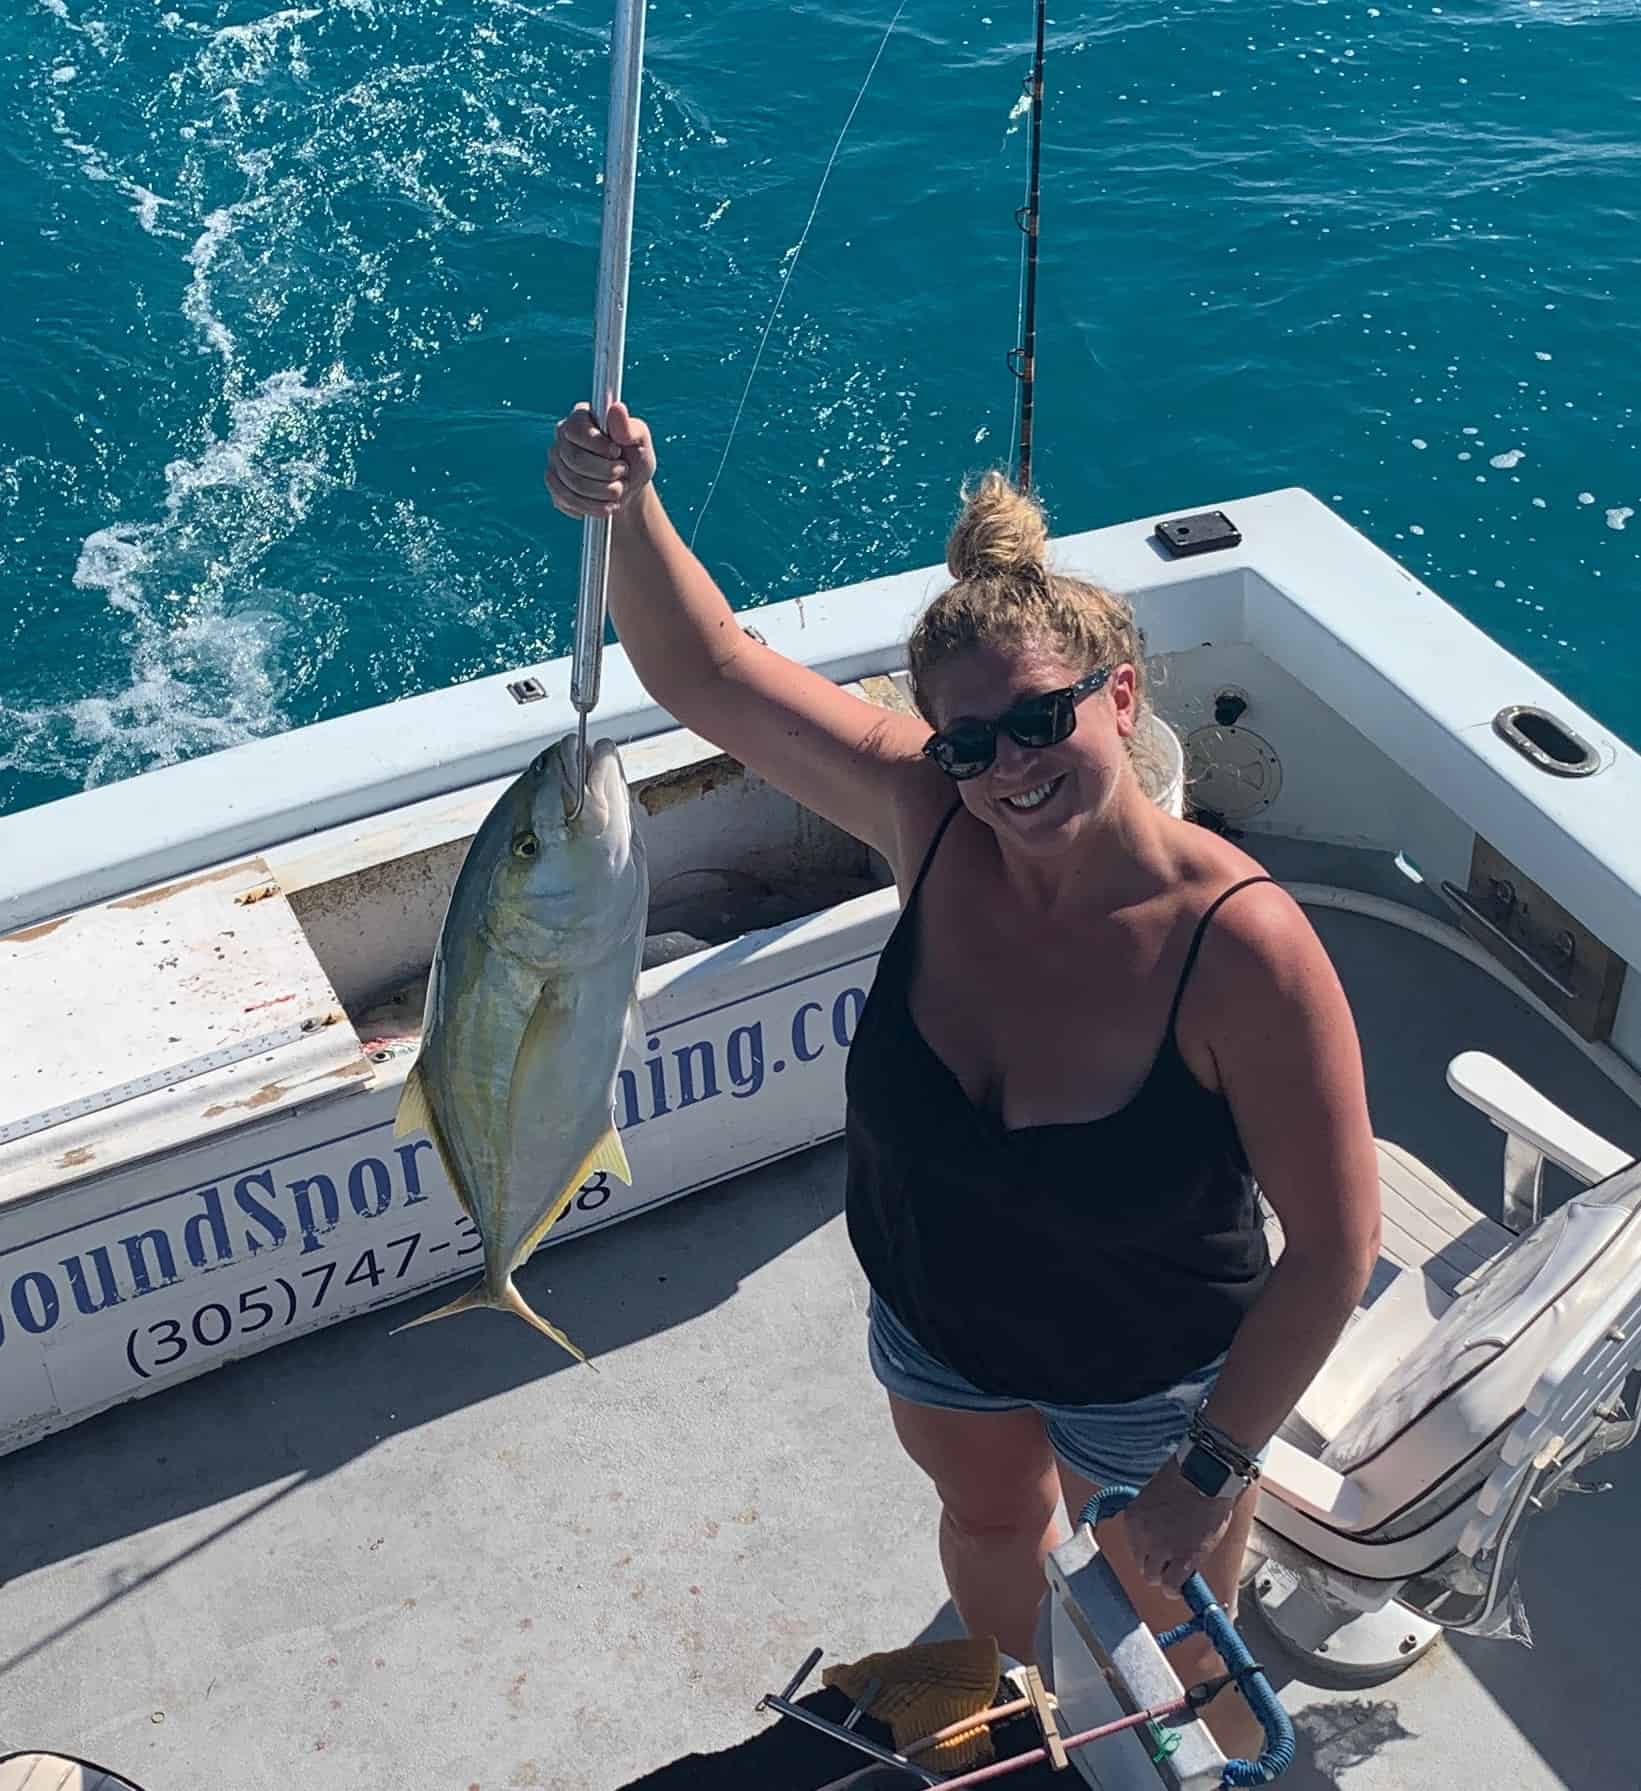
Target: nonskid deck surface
(452,1558)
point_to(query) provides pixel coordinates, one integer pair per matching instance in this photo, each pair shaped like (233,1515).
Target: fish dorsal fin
(415,1114)
(607,1155)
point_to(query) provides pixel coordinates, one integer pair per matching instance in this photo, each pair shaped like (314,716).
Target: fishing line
(791,267)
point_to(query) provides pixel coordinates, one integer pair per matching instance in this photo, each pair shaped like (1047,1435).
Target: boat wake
(193,529)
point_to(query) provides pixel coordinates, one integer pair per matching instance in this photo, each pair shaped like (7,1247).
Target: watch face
(1205,1473)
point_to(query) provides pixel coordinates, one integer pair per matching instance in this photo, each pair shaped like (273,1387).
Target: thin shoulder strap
(1196,941)
(934,846)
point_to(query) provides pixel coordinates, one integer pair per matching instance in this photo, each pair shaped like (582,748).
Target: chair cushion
(1433,1245)
(1466,1382)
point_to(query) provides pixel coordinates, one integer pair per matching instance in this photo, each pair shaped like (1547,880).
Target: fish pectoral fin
(416,1114)
(536,1061)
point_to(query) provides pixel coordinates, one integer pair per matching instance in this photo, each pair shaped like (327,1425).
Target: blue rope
(1208,1616)
(1173,1637)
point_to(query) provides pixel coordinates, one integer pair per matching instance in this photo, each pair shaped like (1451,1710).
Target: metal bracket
(1523,1184)
(1553,953)
(781,1703)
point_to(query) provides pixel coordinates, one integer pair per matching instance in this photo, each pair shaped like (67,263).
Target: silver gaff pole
(609,342)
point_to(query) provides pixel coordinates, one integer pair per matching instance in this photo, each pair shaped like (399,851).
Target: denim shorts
(1107,1444)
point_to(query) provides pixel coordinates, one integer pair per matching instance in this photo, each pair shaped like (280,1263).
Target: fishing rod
(609,344)
(1023,360)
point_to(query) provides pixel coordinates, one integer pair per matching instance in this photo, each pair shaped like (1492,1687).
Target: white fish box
(161,1271)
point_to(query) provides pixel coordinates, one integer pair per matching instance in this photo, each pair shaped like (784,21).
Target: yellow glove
(924,1688)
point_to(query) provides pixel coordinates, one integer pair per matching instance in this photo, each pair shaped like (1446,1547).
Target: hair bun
(1001,531)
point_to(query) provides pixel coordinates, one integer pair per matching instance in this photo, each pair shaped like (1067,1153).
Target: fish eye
(526,845)
(538,765)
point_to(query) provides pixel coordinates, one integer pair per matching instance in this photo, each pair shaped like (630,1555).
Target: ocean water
(293,296)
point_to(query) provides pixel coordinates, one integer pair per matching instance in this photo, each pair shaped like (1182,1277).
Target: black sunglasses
(968,748)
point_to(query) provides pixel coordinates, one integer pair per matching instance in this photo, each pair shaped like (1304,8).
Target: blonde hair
(1004,595)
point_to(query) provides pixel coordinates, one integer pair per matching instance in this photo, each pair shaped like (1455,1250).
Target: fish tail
(513,1301)
(508,1300)
(467,1302)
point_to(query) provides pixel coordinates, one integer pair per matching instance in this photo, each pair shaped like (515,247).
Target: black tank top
(1080,1264)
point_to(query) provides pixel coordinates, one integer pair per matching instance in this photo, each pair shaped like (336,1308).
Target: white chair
(55,1772)
(1487,1364)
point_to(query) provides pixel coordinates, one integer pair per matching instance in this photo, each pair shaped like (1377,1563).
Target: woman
(1094,1029)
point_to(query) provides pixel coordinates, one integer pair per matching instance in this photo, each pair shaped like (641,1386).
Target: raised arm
(849,760)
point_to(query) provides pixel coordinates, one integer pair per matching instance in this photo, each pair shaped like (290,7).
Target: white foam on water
(1514,457)
(1616,518)
(146,205)
(1415,528)
(203,668)
(91,162)
(1420,444)
(1540,355)
(245,53)
(197,304)
(1586,497)
(64,72)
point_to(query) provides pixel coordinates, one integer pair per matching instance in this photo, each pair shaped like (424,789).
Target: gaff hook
(580,769)
(609,341)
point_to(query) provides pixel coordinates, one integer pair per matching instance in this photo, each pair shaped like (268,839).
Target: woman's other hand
(1173,1529)
(594,473)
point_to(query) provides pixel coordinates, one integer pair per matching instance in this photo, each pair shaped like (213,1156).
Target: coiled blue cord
(1208,1617)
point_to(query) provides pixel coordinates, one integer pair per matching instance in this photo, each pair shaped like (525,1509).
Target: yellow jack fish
(529,1002)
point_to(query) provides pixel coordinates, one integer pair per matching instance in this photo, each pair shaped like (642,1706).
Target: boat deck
(455,1559)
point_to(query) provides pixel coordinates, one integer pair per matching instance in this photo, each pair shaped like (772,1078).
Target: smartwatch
(1208,1471)
(1213,1464)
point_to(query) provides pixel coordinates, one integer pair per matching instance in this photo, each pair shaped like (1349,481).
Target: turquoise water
(294,295)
